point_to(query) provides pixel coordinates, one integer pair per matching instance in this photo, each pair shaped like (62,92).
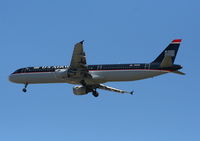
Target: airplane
(92,77)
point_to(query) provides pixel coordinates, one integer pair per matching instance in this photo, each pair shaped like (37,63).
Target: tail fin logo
(170,53)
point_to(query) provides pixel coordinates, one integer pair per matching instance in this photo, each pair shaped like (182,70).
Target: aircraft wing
(78,58)
(104,87)
(78,65)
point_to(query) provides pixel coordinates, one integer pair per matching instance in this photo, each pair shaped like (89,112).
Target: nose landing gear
(24,89)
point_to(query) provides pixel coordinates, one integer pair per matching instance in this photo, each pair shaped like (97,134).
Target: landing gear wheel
(24,90)
(95,93)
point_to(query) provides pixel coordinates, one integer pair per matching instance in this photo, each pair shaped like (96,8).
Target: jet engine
(80,90)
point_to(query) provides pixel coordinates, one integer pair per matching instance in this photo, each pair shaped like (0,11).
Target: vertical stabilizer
(167,57)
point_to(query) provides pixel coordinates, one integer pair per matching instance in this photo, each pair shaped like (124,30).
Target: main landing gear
(90,89)
(24,89)
(95,93)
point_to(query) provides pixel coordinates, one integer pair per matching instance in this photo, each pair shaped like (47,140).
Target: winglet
(81,41)
(132,92)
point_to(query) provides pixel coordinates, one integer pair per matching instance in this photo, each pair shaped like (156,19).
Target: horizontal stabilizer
(179,72)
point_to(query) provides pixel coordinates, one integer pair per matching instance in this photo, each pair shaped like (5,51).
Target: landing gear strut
(24,89)
(90,89)
(95,93)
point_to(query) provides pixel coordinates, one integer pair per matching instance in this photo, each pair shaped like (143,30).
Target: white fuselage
(98,76)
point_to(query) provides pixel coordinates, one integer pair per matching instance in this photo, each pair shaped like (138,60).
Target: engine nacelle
(80,90)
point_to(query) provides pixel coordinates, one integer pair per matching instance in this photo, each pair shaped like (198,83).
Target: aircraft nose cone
(11,78)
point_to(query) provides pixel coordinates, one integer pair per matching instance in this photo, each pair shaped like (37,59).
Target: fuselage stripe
(105,70)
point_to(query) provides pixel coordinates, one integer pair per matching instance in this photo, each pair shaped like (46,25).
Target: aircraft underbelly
(37,78)
(128,75)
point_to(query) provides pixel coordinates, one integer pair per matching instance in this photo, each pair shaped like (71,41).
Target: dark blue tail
(170,51)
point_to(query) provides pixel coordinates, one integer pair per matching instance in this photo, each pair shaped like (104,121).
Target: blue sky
(43,32)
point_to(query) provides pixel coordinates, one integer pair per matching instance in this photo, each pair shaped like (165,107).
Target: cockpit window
(17,71)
